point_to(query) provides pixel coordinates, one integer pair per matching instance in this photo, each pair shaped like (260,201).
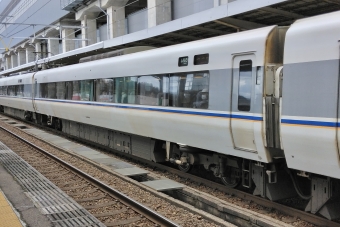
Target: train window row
(23,90)
(189,90)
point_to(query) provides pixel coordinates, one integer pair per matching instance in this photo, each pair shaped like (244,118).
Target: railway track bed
(100,204)
(108,207)
(237,212)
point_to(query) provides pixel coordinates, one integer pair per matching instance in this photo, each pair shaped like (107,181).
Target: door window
(245,85)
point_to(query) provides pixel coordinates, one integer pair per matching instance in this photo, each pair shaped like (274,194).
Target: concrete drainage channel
(226,211)
(199,200)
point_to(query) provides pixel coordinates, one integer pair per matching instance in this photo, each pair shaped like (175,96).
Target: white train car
(207,95)
(216,102)
(310,103)
(217,128)
(20,87)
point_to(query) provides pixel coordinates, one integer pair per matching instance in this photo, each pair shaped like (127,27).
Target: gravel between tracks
(177,214)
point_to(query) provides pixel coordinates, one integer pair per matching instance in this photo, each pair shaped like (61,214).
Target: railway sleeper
(270,181)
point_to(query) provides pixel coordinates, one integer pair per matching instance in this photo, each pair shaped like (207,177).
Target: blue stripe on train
(236,116)
(311,123)
(223,115)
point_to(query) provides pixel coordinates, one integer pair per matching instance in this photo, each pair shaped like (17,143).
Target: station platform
(37,201)
(16,209)
(8,216)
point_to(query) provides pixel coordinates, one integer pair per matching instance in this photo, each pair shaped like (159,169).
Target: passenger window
(245,85)
(20,90)
(11,91)
(27,90)
(150,92)
(120,94)
(61,90)
(51,91)
(164,96)
(104,90)
(82,90)
(189,90)
(43,90)
(131,85)
(126,90)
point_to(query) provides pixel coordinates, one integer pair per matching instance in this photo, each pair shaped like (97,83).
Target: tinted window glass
(80,90)
(149,90)
(43,91)
(20,90)
(126,90)
(27,90)
(245,85)
(86,90)
(104,90)
(61,90)
(164,96)
(189,90)
(51,90)
(3,90)
(131,90)
(11,91)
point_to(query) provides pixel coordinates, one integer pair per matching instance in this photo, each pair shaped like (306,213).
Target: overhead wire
(29,17)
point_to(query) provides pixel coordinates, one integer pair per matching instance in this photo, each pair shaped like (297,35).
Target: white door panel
(242,117)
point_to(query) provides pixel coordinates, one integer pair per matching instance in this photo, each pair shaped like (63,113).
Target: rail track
(230,192)
(101,199)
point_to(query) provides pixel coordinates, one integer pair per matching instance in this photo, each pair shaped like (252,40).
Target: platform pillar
(89,31)
(44,50)
(52,47)
(38,54)
(8,62)
(67,36)
(2,63)
(159,12)
(21,56)
(30,56)
(14,60)
(220,2)
(117,21)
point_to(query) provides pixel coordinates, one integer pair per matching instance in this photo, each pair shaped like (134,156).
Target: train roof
(221,51)
(18,79)
(313,39)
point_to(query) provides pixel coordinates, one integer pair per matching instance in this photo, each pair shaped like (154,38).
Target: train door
(338,114)
(242,103)
(34,92)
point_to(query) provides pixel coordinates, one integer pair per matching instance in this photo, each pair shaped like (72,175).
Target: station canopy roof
(282,14)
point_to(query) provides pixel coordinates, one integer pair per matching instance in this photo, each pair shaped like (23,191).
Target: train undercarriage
(273,181)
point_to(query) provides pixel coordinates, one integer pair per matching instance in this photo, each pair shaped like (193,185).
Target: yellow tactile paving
(7,216)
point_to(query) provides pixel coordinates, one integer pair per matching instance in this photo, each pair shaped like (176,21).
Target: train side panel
(310,95)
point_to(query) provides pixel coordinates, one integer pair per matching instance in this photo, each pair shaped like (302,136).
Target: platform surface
(8,217)
(61,209)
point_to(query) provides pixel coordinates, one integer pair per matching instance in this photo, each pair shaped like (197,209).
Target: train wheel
(231,177)
(185,167)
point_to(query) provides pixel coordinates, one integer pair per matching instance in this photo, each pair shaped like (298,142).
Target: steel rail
(138,207)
